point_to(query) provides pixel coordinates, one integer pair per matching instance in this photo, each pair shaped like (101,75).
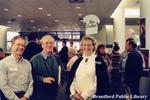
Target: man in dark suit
(134,66)
(32,47)
(64,54)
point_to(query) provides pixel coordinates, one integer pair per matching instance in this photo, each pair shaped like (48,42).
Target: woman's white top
(84,81)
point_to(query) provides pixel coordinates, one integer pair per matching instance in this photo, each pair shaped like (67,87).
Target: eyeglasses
(20,45)
(47,43)
(87,45)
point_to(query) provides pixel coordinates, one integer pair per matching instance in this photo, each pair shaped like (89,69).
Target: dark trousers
(44,96)
(19,94)
(134,88)
(45,91)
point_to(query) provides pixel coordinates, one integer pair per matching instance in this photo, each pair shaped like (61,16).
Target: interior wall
(106,35)
(3,31)
(136,29)
(101,36)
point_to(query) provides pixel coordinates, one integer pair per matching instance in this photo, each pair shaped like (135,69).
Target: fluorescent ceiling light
(19,15)
(79,14)
(49,14)
(32,21)
(132,13)
(56,20)
(5,9)
(78,7)
(40,8)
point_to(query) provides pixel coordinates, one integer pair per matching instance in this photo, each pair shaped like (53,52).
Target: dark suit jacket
(32,49)
(134,68)
(64,54)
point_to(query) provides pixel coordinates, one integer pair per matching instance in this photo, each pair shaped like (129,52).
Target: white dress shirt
(84,81)
(15,76)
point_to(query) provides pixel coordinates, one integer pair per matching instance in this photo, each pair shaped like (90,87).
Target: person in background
(101,52)
(32,47)
(102,71)
(130,33)
(71,50)
(55,51)
(115,77)
(64,54)
(73,59)
(15,73)
(2,54)
(124,56)
(47,71)
(134,64)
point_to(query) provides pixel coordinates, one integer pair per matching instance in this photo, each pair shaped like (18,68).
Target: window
(9,36)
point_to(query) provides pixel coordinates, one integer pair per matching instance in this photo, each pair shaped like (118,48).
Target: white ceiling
(61,10)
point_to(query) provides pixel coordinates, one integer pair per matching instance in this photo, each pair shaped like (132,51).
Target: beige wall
(3,31)
(106,35)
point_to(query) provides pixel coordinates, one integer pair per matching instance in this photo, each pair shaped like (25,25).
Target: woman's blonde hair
(88,38)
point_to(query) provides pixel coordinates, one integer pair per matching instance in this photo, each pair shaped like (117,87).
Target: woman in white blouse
(83,85)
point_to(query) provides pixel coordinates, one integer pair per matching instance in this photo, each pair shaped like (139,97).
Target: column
(119,28)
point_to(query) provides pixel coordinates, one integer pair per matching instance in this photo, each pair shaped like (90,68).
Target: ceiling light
(5,9)
(79,14)
(19,15)
(32,21)
(56,20)
(40,8)
(78,7)
(49,14)
(34,27)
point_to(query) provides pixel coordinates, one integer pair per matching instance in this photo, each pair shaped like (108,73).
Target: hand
(77,96)
(59,85)
(48,80)
(23,98)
